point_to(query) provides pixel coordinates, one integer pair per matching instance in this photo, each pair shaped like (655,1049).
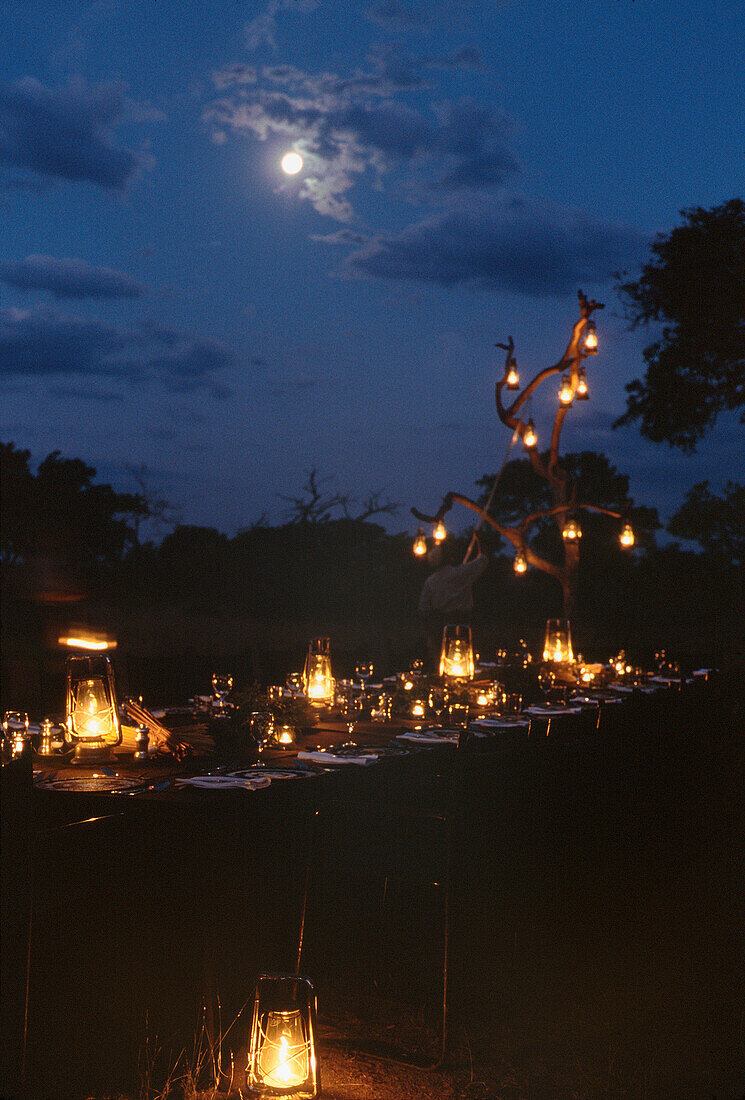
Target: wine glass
(222,685)
(15,730)
(294,683)
(261,725)
(363,670)
(438,701)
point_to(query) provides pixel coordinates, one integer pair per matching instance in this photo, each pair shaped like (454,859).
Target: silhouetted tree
(695,287)
(717,523)
(61,517)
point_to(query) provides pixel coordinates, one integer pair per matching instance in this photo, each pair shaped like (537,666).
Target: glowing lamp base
(93,752)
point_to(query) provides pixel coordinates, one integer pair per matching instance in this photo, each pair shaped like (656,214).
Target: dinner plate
(94,784)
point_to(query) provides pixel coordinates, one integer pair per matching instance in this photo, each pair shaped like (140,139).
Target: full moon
(292,163)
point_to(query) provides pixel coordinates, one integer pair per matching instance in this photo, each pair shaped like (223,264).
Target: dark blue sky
(169,298)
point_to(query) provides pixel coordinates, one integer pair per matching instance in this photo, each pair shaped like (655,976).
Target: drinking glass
(363,670)
(15,730)
(261,725)
(438,701)
(222,685)
(294,683)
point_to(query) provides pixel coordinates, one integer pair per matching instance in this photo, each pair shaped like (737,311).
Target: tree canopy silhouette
(717,523)
(694,285)
(60,516)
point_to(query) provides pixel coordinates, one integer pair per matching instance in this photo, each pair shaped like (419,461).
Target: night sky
(169,298)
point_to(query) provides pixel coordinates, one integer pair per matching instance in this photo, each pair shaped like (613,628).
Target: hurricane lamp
(583,393)
(557,645)
(282,1058)
(420,544)
(565,390)
(440,532)
(519,564)
(318,682)
(591,338)
(456,654)
(530,438)
(571,531)
(513,378)
(91,711)
(626,538)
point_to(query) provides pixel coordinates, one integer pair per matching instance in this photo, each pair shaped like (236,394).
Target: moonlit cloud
(350,127)
(510,246)
(65,132)
(41,343)
(69,278)
(262,29)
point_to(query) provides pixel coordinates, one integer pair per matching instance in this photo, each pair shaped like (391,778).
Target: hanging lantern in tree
(565,390)
(583,394)
(626,538)
(513,378)
(440,532)
(591,338)
(420,544)
(530,438)
(571,531)
(519,564)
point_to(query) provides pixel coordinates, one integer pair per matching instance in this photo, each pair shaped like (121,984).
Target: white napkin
(224,782)
(321,757)
(538,711)
(503,722)
(429,737)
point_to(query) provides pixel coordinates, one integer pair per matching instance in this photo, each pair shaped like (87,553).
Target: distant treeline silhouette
(70,548)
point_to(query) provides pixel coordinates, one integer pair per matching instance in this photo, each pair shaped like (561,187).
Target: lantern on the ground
(456,655)
(91,711)
(420,544)
(282,1058)
(557,645)
(317,679)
